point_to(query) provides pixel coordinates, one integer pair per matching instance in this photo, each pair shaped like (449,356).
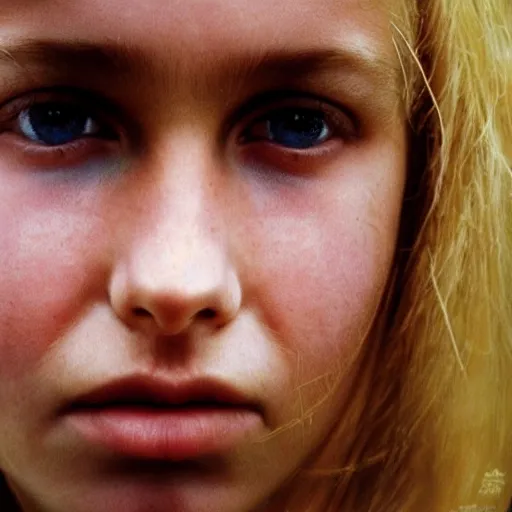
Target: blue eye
(298,129)
(295,128)
(55,124)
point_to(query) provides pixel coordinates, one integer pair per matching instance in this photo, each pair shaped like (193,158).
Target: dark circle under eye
(54,124)
(297,128)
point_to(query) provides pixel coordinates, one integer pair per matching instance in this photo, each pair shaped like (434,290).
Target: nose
(175,271)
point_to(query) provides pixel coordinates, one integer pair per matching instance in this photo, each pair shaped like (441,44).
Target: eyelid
(264,104)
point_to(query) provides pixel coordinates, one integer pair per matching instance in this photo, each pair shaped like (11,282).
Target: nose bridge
(182,222)
(175,268)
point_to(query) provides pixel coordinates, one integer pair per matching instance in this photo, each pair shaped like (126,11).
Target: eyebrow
(68,55)
(109,60)
(326,60)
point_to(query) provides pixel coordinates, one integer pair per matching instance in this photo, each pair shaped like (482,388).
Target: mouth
(147,418)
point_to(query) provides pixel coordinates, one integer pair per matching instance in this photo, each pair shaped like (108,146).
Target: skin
(114,255)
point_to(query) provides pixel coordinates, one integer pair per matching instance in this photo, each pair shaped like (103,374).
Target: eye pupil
(297,129)
(55,124)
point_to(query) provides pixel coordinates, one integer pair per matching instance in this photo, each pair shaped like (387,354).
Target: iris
(297,128)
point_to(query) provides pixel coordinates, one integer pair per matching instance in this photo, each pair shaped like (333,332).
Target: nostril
(207,314)
(141,312)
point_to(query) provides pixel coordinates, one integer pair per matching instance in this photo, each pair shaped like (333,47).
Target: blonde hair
(455,315)
(434,427)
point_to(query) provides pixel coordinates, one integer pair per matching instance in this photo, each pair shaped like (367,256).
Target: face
(199,203)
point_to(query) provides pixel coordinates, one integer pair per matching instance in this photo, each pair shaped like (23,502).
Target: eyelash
(257,116)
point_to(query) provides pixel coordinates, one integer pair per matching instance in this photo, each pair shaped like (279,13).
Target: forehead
(201,28)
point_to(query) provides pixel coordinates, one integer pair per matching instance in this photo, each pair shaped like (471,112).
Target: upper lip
(142,390)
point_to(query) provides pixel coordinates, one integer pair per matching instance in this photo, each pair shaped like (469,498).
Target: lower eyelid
(281,160)
(75,154)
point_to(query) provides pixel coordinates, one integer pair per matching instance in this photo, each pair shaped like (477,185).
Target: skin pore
(184,235)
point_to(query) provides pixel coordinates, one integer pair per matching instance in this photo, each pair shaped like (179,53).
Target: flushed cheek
(46,264)
(320,279)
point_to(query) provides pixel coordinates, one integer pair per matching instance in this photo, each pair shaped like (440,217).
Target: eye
(294,133)
(61,128)
(296,121)
(56,123)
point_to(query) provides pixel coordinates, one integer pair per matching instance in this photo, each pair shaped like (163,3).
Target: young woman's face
(199,202)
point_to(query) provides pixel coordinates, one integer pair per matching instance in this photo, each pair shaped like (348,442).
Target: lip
(148,418)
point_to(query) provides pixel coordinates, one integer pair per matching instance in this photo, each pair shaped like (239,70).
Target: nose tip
(168,304)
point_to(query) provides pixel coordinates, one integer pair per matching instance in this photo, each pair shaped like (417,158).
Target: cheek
(45,258)
(320,275)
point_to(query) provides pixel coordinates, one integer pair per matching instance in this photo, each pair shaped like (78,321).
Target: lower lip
(168,434)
